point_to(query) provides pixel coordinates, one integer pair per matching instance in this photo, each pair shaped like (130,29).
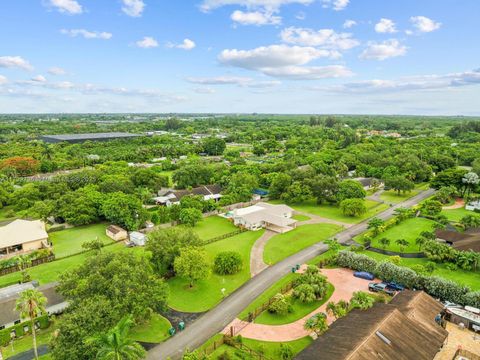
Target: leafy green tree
(470,221)
(317,323)
(227,263)
(124,210)
(94,245)
(214,146)
(190,216)
(420,241)
(400,184)
(446,194)
(402,243)
(116,183)
(431,208)
(192,175)
(149,178)
(286,352)
(296,193)
(280,305)
(339,309)
(350,189)
(241,185)
(305,293)
(324,188)
(80,207)
(30,304)
(375,224)
(384,242)
(192,264)
(116,343)
(353,207)
(279,185)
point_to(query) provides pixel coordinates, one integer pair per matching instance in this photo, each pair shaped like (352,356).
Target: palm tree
(384,242)
(420,241)
(337,310)
(116,344)
(375,224)
(402,243)
(30,305)
(361,300)
(317,323)
(47,151)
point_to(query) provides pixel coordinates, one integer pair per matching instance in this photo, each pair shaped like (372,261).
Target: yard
(154,330)
(25,343)
(213,226)
(456,214)
(391,196)
(409,230)
(69,241)
(207,293)
(333,212)
(283,245)
(299,310)
(469,278)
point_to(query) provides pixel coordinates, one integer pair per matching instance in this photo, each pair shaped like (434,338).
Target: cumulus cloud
(3,80)
(204,90)
(257,18)
(233,80)
(270,5)
(336,5)
(103,35)
(382,51)
(424,24)
(385,26)
(326,38)
(133,8)
(147,42)
(39,78)
(187,44)
(348,24)
(55,70)
(67,6)
(15,62)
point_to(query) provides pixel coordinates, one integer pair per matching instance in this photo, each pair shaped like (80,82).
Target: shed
(116,233)
(137,238)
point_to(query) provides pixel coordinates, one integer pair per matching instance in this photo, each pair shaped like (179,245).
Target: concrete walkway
(224,313)
(459,204)
(256,255)
(345,285)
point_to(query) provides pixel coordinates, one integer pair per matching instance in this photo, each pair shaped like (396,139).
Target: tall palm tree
(30,305)
(117,345)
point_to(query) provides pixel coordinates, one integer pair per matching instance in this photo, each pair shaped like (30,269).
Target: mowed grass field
(69,241)
(391,196)
(456,214)
(283,245)
(409,230)
(208,293)
(333,212)
(212,227)
(154,330)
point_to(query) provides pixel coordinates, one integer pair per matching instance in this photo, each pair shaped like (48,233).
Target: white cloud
(385,26)
(348,24)
(257,18)
(284,61)
(67,6)
(39,78)
(147,42)
(326,38)
(204,90)
(336,5)
(270,5)
(424,24)
(87,34)
(133,8)
(219,80)
(3,80)
(187,44)
(15,62)
(385,50)
(55,70)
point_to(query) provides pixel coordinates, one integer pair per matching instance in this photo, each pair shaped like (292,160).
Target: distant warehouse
(79,138)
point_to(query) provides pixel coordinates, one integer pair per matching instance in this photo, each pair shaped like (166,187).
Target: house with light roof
(277,218)
(22,236)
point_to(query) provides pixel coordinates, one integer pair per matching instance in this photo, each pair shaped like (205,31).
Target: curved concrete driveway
(257,265)
(216,319)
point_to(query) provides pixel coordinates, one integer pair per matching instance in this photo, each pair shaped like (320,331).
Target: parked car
(394,286)
(363,275)
(380,287)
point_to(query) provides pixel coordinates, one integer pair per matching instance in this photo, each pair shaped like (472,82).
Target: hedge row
(437,287)
(43,322)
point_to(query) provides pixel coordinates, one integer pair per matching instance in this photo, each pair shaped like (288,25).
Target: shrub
(305,293)
(280,305)
(315,279)
(388,271)
(473,299)
(445,290)
(357,262)
(227,263)
(286,352)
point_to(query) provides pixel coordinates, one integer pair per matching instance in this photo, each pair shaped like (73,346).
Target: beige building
(277,218)
(22,236)
(116,233)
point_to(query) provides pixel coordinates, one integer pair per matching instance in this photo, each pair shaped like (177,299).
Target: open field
(456,214)
(207,293)
(154,330)
(391,196)
(283,245)
(213,226)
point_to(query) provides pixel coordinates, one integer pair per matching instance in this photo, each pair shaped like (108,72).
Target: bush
(473,299)
(43,322)
(445,290)
(280,305)
(388,271)
(305,293)
(357,262)
(286,352)
(227,263)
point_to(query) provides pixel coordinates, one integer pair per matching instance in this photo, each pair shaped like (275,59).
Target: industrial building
(79,138)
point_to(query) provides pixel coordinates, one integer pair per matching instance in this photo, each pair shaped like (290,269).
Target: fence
(32,263)
(227,340)
(224,236)
(395,253)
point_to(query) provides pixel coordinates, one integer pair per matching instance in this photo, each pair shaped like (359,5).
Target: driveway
(215,320)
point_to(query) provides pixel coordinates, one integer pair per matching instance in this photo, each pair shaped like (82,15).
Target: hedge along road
(216,319)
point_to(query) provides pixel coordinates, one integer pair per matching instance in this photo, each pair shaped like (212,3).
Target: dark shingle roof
(90,136)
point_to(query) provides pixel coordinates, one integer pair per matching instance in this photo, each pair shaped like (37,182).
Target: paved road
(216,319)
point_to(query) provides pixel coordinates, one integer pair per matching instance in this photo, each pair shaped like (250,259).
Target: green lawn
(457,214)
(409,230)
(333,212)
(154,330)
(283,245)
(299,310)
(460,276)
(392,196)
(4,211)
(271,350)
(69,241)
(207,293)
(213,226)
(300,217)
(25,343)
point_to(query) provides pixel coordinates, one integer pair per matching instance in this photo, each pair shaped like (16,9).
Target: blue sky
(269,56)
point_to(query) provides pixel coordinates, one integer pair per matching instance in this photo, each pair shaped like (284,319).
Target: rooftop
(22,231)
(90,136)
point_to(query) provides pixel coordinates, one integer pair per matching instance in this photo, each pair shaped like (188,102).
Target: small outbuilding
(137,238)
(116,233)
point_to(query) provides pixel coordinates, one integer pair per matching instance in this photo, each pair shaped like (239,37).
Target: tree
(431,208)
(350,189)
(324,188)
(94,245)
(402,243)
(279,185)
(149,178)
(470,221)
(384,242)
(476,166)
(375,224)
(305,293)
(190,216)
(317,323)
(124,210)
(420,241)
(116,344)
(339,309)
(400,184)
(80,207)
(22,166)
(280,305)
(214,146)
(445,194)
(296,193)
(164,246)
(241,185)
(286,352)
(353,207)
(227,263)
(192,264)
(30,305)
(470,182)
(361,300)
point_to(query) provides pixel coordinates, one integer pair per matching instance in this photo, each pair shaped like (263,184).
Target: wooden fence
(224,236)
(35,262)
(232,342)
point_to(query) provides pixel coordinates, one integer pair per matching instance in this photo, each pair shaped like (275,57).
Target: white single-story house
(473,205)
(22,236)
(137,238)
(277,218)
(169,197)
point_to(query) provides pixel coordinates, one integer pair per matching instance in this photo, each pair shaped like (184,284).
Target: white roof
(137,235)
(22,232)
(273,214)
(247,210)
